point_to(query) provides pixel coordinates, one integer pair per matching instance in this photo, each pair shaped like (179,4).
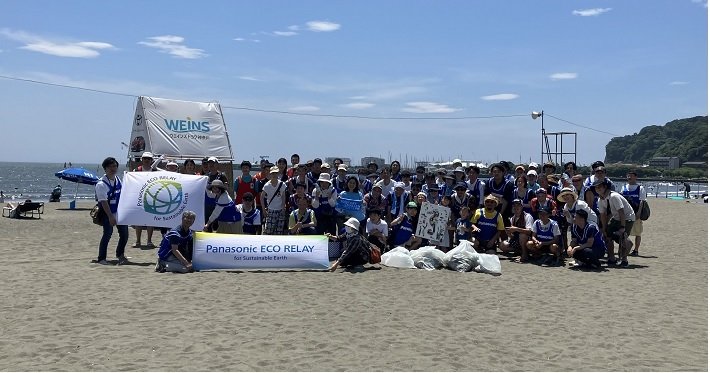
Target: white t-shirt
(386,189)
(371,227)
(617,202)
(528,220)
(104,187)
(277,203)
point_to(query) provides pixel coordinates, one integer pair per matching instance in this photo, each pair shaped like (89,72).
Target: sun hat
(519,167)
(324,165)
(342,167)
(566,191)
(533,165)
(213,159)
(147,155)
(412,205)
(399,184)
(460,169)
(324,177)
(218,183)
(491,197)
(541,190)
(553,179)
(274,170)
(532,172)
(353,223)
(456,161)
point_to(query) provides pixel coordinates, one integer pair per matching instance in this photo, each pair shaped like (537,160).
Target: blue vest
(114,194)
(183,239)
(488,227)
(404,232)
(634,197)
(545,235)
(250,223)
(306,217)
(229,212)
(325,208)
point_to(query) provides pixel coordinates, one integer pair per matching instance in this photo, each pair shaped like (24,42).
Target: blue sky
(614,66)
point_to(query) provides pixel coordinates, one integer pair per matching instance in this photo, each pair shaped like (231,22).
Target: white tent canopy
(179,130)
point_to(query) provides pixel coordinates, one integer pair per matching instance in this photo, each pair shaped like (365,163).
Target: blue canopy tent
(79,176)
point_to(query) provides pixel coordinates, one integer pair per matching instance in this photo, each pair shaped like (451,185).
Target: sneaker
(624,263)
(159,267)
(634,253)
(136,245)
(102,262)
(611,262)
(122,260)
(150,245)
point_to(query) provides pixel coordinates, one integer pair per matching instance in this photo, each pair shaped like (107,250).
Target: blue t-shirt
(463,223)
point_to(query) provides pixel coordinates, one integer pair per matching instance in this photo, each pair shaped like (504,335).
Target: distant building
(670,163)
(696,164)
(329,160)
(379,161)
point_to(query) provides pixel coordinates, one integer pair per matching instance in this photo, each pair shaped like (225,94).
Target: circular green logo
(162,197)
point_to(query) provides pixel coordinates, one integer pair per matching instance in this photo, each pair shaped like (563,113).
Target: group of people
(528,211)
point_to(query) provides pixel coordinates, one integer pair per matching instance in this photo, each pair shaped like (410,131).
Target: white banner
(158,199)
(229,251)
(179,129)
(433,221)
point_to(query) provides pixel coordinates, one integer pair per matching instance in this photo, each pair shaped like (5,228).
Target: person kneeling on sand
(175,252)
(587,245)
(357,247)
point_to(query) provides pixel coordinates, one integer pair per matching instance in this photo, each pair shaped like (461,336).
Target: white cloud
(239,39)
(294,27)
(285,33)
(563,76)
(251,78)
(701,2)
(590,12)
(173,45)
(305,108)
(81,49)
(392,93)
(677,82)
(500,96)
(322,26)
(428,107)
(359,105)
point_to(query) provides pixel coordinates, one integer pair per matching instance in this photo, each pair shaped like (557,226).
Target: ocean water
(35,181)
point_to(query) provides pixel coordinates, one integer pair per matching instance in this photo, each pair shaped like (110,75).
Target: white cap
(533,165)
(147,155)
(532,172)
(213,159)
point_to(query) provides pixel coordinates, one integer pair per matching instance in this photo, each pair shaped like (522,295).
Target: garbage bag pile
(462,258)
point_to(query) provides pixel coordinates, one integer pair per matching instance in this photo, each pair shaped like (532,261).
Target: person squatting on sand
(175,252)
(357,247)
(617,218)
(108,193)
(587,245)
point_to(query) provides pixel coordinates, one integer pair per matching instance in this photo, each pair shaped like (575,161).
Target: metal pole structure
(542,138)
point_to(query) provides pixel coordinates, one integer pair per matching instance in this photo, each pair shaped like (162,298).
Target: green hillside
(684,138)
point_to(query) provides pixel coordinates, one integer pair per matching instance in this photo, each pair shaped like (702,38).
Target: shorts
(614,225)
(637,229)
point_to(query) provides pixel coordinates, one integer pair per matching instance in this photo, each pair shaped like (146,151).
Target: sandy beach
(61,312)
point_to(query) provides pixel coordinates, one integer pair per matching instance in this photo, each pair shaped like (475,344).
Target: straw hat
(219,184)
(491,197)
(566,191)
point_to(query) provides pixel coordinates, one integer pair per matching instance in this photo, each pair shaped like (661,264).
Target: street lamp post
(541,115)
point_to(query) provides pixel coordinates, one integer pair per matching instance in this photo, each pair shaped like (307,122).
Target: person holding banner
(108,193)
(357,248)
(175,252)
(225,211)
(302,221)
(349,203)
(251,215)
(146,165)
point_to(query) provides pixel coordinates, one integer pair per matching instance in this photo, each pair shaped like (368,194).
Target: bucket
(72,205)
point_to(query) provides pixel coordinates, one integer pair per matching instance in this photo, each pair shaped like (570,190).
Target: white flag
(158,199)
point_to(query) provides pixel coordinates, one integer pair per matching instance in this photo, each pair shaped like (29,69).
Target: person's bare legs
(139,231)
(150,236)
